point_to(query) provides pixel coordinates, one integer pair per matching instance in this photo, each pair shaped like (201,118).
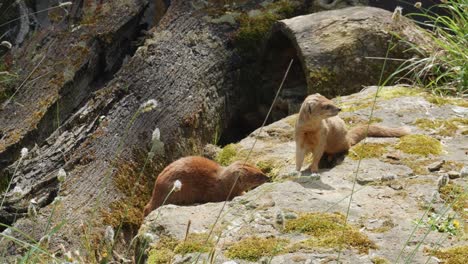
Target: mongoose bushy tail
(355,135)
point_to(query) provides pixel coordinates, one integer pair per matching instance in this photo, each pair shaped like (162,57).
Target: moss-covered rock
(328,230)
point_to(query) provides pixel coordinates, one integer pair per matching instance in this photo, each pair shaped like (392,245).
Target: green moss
(419,166)
(367,150)
(443,127)
(354,106)
(268,167)
(320,78)
(254,29)
(379,260)
(194,243)
(162,251)
(136,187)
(160,256)
(253,248)
(413,91)
(419,145)
(167,247)
(328,230)
(457,196)
(399,92)
(227,155)
(437,100)
(455,255)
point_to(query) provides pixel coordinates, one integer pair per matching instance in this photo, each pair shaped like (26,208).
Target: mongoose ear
(309,108)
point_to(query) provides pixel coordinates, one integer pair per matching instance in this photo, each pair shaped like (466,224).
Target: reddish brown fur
(319,130)
(203,181)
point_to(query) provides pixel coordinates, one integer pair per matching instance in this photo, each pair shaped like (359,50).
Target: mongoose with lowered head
(203,181)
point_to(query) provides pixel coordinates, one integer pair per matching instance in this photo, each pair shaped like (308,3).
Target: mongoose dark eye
(327,107)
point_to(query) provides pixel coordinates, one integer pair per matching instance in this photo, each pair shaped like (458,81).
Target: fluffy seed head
(61,175)
(156,135)
(32,212)
(6,44)
(24,152)
(397,13)
(148,106)
(109,235)
(177,185)
(65,4)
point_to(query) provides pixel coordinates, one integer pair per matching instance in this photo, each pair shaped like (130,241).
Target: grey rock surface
(384,210)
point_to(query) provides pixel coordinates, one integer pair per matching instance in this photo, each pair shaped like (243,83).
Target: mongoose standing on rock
(203,181)
(319,130)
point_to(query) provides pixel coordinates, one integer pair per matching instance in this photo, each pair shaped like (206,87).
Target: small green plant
(444,224)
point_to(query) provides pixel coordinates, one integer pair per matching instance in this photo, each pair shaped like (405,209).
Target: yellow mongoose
(319,130)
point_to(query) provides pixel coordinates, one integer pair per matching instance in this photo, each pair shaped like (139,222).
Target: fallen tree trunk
(188,66)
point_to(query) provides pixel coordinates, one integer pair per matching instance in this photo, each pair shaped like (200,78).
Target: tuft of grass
(443,127)
(253,248)
(367,150)
(419,145)
(443,69)
(454,255)
(328,230)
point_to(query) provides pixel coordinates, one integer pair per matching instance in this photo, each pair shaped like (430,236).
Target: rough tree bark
(188,65)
